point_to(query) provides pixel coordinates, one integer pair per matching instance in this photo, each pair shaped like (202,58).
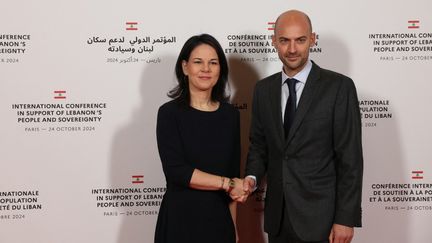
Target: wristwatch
(231,185)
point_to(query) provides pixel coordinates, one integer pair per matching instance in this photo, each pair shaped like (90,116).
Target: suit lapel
(276,110)
(306,99)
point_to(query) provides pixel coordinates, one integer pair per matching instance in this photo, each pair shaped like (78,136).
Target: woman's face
(202,68)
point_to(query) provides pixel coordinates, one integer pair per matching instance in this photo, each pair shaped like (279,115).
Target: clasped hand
(242,189)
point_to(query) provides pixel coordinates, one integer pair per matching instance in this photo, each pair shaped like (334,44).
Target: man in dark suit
(306,137)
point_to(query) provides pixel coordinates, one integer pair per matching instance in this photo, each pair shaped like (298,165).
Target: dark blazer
(318,169)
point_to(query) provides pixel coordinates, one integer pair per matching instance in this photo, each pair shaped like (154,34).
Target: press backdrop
(81,82)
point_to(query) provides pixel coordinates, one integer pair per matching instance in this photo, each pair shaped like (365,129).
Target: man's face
(292,40)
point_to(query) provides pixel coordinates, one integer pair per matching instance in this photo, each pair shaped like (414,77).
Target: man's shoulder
(333,75)
(276,77)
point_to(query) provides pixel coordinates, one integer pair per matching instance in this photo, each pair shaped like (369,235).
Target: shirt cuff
(254,179)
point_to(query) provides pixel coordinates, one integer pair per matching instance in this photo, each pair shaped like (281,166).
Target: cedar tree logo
(131,25)
(59,94)
(271,25)
(137,179)
(413,24)
(417,174)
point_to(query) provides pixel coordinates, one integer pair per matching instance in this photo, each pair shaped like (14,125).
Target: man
(309,145)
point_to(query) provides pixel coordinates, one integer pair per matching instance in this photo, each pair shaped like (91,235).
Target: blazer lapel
(306,98)
(276,109)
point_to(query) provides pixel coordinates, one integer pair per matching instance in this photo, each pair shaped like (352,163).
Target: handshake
(238,189)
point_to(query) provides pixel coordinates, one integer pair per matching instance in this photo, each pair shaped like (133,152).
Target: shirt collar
(300,76)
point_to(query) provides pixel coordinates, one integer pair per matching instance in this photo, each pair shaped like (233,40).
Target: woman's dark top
(209,141)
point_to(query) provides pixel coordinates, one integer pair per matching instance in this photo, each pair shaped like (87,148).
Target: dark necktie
(290,107)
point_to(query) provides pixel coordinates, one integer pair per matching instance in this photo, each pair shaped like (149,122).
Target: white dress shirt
(301,77)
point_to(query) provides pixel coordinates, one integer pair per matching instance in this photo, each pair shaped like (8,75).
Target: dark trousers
(287,233)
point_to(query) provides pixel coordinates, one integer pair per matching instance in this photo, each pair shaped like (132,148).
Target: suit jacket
(317,170)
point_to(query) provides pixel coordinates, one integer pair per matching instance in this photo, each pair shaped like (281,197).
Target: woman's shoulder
(168,108)
(173,108)
(171,105)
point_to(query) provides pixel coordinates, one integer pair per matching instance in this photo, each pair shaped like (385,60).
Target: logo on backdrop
(242,106)
(15,205)
(271,25)
(130,45)
(13,47)
(137,179)
(59,115)
(258,47)
(137,199)
(417,174)
(59,94)
(131,25)
(413,24)
(410,44)
(374,111)
(415,195)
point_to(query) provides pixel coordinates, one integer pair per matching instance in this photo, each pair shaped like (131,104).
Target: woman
(199,145)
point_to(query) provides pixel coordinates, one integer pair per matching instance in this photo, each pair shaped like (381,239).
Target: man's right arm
(256,165)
